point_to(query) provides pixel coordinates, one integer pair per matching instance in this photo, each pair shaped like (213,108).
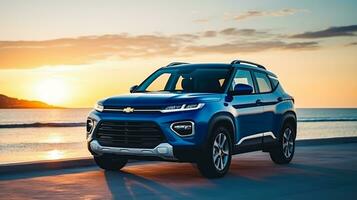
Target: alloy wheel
(220,151)
(288,143)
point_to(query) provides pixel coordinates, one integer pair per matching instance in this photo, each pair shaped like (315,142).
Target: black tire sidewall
(277,154)
(288,125)
(209,151)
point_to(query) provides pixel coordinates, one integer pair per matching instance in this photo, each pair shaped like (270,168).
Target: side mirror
(242,89)
(133,88)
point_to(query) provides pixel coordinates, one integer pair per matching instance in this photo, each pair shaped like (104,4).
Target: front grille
(135,107)
(129,134)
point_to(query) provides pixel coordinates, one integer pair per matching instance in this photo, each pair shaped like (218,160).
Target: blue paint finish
(251,113)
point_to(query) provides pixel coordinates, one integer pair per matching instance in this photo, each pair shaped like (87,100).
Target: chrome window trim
(258,135)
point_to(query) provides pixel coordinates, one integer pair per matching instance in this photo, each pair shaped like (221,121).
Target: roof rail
(247,62)
(176,63)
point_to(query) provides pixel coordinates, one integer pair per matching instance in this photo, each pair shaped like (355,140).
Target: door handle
(258,102)
(279,99)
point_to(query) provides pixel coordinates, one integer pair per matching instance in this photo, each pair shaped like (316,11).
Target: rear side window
(274,82)
(264,84)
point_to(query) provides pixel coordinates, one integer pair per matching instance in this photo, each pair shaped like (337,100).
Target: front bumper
(163,150)
(178,148)
(163,120)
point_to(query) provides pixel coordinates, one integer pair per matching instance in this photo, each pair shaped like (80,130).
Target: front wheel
(216,157)
(108,162)
(283,153)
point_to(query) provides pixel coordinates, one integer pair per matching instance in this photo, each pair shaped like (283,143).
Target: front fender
(222,118)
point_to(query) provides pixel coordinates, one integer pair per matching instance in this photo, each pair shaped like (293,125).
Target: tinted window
(209,80)
(181,80)
(264,84)
(243,77)
(274,81)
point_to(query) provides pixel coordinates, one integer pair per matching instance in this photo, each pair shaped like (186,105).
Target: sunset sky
(73,53)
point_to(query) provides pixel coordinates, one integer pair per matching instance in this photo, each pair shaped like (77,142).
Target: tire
(283,153)
(110,163)
(216,157)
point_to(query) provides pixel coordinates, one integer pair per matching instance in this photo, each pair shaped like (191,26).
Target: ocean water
(28,135)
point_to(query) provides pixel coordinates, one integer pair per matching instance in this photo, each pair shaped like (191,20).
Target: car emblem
(128,110)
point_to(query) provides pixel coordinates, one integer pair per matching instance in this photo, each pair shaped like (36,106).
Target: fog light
(185,128)
(90,125)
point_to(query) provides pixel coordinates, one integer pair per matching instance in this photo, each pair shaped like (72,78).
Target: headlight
(184,107)
(99,107)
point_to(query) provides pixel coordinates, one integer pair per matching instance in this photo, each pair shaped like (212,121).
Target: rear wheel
(283,153)
(109,162)
(216,157)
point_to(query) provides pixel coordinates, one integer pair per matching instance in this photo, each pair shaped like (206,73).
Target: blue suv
(199,113)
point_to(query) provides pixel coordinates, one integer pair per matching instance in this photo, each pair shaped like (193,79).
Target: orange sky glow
(315,61)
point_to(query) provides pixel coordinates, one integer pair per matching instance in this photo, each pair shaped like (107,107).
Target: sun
(54,154)
(52,91)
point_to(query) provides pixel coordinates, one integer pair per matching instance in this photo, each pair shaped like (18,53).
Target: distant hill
(10,102)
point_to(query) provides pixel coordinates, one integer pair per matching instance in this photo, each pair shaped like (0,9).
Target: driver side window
(242,77)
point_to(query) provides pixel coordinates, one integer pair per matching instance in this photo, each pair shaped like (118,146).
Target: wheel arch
(225,119)
(289,117)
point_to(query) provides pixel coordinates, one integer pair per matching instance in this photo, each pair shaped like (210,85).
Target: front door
(249,112)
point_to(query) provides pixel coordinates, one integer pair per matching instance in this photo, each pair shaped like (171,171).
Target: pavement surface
(317,172)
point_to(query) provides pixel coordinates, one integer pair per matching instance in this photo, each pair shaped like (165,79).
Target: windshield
(205,80)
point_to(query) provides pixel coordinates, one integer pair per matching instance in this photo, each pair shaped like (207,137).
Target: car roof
(200,65)
(218,65)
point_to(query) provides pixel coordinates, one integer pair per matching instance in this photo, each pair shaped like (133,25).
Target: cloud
(81,50)
(246,33)
(259,13)
(234,32)
(89,49)
(209,34)
(337,31)
(248,47)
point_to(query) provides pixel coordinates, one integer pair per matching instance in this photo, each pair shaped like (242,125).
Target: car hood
(158,99)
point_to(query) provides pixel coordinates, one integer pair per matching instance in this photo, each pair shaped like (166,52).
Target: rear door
(268,102)
(249,111)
